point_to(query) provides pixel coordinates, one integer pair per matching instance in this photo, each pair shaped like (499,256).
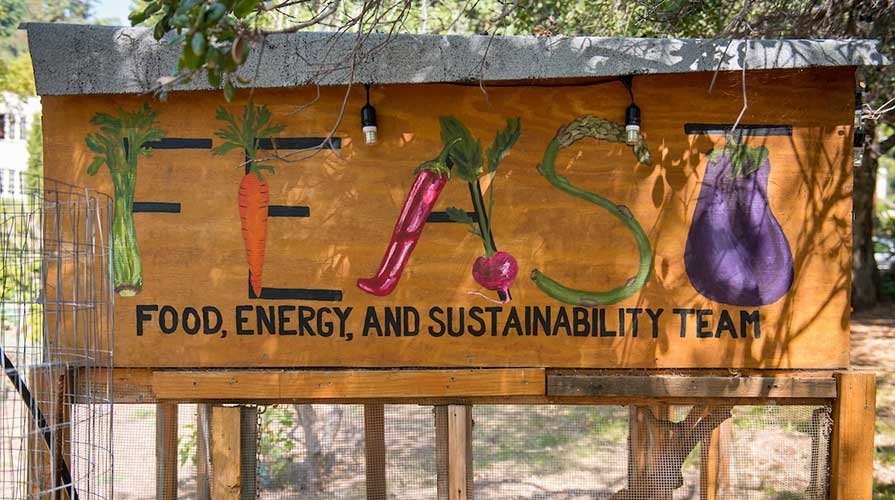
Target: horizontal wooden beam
(349,384)
(675,386)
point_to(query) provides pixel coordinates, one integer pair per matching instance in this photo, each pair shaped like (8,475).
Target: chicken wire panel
(311,451)
(661,453)
(777,452)
(549,451)
(55,337)
(411,463)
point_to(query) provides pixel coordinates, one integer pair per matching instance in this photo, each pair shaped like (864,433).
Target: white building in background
(17,116)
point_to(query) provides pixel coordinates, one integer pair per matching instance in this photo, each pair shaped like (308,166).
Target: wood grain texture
(195,258)
(355,384)
(460,472)
(375,451)
(166,451)
(854,417)
(226,480)
(671,386)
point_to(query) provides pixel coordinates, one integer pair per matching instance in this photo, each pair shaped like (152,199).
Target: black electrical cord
(64,478)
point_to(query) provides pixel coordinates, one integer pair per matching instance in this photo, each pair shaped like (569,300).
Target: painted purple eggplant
(736,251)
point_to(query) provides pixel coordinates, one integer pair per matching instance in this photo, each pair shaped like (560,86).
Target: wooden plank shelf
(348,384)
(676,386)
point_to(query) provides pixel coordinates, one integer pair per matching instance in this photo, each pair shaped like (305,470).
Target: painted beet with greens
(736,251)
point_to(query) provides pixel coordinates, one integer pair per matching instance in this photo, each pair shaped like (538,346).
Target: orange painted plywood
(194,263)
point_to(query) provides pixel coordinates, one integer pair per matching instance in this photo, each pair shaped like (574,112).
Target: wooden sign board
(747,257)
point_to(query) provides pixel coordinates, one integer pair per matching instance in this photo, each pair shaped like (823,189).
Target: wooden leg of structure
(374,451)
(441,452)
(714,463)
(248,452)
(166,451)
(226,423)
(453,442)
(854,413)
(47,460)
(203,453)
(645,444)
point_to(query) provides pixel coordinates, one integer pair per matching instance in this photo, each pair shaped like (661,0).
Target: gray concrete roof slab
(80,59)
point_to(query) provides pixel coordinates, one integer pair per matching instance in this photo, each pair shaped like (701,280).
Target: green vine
(598,128)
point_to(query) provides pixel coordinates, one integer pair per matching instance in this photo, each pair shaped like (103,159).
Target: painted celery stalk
(118,144)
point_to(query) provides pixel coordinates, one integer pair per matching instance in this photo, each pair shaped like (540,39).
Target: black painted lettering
(493,311)
(305,319)
(458,332)
(635,313)
(725,324)
(266,320)
(241,320)
(654,317)
(753,319)
(702,324)
(209,313)
(371,322)
(475,317)
(513,322)
(170,325)
(683,313)
(434,314)
(562,322)
(541,319)
(580,325)
(343,320)
(191,315)
(325,327)
(411,322)
(144,316)
(604,330)
(392,321)
(284,317)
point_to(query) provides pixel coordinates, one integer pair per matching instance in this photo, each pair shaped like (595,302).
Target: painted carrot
(254,198)
(254,192)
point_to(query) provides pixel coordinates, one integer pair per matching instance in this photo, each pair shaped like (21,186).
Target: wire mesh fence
(55,337)
(543,452)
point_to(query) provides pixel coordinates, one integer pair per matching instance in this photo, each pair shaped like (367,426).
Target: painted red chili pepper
(431,178)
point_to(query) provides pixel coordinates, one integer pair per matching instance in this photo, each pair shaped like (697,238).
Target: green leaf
(215,13)
(271,130)
(244,8)
(224,148)
(228,91)
(197,43)
(94,165)
(457,215)
(93,144)
(214,77)
(503,141)
(465,152)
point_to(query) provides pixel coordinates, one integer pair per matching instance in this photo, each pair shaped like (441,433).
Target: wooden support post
(645,446)
(714,463)
(854,413)
(460,452)
(441,452)
(374,451)
(453,451)
(166,451)
(203,454)
(248,452)
(225,457)
(48,388)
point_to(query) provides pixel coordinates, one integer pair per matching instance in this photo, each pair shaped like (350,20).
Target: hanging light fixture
(368,120)
(632,117)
